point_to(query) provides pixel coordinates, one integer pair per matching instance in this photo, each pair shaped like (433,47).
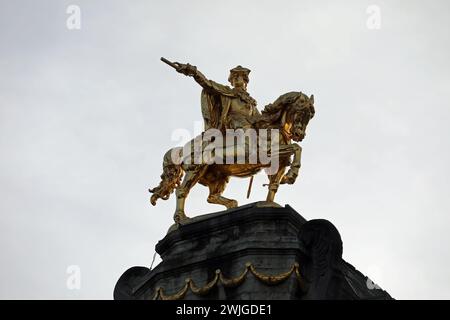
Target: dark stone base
(251,252)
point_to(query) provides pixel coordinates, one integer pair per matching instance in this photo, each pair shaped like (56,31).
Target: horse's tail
(170,178)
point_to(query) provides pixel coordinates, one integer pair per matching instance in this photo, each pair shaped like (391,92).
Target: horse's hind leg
(191,177)
(216,188)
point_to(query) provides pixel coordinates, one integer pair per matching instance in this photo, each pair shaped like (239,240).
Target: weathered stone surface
(265,241)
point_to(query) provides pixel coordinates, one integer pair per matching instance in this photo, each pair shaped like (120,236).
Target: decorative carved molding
(231,282)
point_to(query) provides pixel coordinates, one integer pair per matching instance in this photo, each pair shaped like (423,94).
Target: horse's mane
(272,112)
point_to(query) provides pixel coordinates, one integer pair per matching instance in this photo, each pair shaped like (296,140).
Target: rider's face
(239,82)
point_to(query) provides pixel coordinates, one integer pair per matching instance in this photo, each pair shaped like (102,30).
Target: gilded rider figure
(224,107)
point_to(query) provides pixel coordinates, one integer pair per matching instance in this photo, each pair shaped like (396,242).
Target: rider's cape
(215,104)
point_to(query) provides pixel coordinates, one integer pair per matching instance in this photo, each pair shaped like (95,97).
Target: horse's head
(297,115)
(291,113)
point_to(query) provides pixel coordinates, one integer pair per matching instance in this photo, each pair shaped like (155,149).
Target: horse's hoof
(287,179)
(232,204)
(179,217)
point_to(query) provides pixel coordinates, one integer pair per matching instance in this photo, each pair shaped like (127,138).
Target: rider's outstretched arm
(202,80)
(191,71)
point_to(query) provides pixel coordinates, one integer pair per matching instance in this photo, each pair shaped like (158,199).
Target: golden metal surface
(225,108)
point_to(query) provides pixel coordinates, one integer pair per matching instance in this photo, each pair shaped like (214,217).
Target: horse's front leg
(274,182)
(294,169)
(191,177)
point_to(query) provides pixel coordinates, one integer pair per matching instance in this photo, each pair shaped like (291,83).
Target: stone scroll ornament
(269,141)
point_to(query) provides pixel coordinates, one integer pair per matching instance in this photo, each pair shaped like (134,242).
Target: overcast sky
(86,116)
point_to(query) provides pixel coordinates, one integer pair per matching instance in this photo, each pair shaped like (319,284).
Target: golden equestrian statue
(265,141)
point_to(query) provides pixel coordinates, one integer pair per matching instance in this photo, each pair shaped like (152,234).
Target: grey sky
(83,131)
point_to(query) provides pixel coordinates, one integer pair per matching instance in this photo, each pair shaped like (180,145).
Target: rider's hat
(239,69)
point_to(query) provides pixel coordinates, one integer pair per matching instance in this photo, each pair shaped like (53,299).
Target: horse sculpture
(288,116)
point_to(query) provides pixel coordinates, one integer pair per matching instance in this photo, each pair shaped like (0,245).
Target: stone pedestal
(251,252)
